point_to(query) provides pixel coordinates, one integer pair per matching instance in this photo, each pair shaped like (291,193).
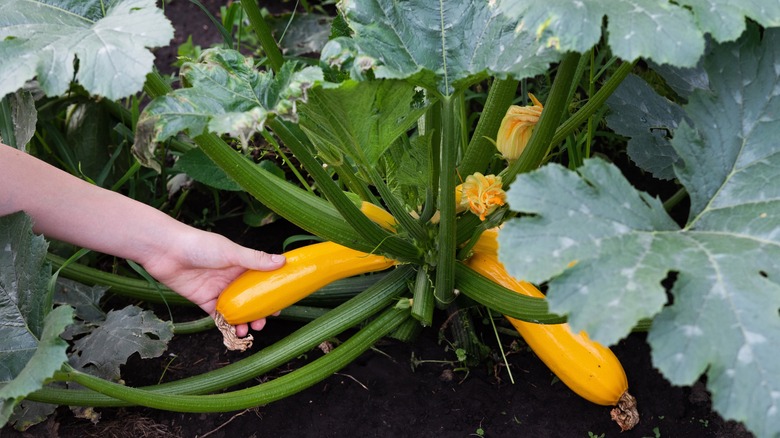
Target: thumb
(260,260)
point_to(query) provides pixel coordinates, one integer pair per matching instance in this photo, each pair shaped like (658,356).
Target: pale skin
(194,263)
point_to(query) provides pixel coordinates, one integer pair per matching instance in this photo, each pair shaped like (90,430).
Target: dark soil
(381,394)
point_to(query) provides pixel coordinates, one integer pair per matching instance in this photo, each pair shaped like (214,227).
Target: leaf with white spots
(110,41)
(441,46)
(605,247)
(666,32)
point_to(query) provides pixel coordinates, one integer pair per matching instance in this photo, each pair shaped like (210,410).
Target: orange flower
(516,128)
(482,194)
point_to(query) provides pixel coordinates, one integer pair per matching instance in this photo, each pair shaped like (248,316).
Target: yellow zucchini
(257,294)
(585,366)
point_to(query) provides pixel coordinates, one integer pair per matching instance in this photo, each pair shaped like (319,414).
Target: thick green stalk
(503,300)
(450,145)
(349,314)
(554,108)
(300,207)
(380,239)
(423,301)
(136,288)
(430,126)
(481,149)
(263,32)
(258,395)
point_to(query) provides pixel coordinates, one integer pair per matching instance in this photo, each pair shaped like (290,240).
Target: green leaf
(301,34)
(442,46)
(84,299)
(44,39)
(23,293)
(123,333)
(202,169)
(666,32)
(22,117)
(49,356)
(360,119)
(225,95)
(725,262)
(649,119)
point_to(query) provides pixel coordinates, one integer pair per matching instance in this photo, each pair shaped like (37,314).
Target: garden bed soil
(387,392)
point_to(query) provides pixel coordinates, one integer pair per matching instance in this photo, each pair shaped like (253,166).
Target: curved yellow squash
(257,294)
(587,367)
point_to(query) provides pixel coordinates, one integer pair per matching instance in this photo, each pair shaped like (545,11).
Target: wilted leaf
(606,247)
(666,32)
(442,46)
(123,333)
(43,39)
(226,94)
(649,120)
(84,299)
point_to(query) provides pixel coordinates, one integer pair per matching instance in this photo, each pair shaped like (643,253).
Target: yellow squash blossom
(516,128)
(482,194)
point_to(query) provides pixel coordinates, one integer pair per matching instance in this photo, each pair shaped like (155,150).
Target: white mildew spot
(745,354)
(694,331)
(614,303)
(730,373)
(7,247)
(754,338)
(566,242)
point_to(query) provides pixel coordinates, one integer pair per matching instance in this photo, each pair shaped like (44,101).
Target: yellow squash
(257,294)
(588,368)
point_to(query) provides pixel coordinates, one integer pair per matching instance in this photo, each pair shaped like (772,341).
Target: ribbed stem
(347,315)
(481,149)
(554,108)
(263,32)
(450,145)
(503,300)
(258,395)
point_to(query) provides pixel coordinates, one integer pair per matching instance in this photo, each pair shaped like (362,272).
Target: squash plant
(383,120)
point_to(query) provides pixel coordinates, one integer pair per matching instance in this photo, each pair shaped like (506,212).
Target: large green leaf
(606,247)
(648,119)
(43,39)
(225,94)
(23,293)
(49,356)
(442,46)
(360,119)
(666,32)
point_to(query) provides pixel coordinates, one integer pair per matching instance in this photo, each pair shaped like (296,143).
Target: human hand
(201,264)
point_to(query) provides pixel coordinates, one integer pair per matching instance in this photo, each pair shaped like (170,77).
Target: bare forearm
(66,208)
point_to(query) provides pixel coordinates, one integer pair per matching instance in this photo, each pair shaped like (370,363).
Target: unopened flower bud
(516,128)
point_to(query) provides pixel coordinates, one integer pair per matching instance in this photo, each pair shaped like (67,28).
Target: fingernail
(277,258)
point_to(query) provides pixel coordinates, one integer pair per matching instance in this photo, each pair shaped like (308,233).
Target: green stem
(131,287)
(481,149)
(349,314)
(381,240)
(554,108)
(423,301)
(445,267)
(258,395)
(263,32)
(675,199)
(503,300)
